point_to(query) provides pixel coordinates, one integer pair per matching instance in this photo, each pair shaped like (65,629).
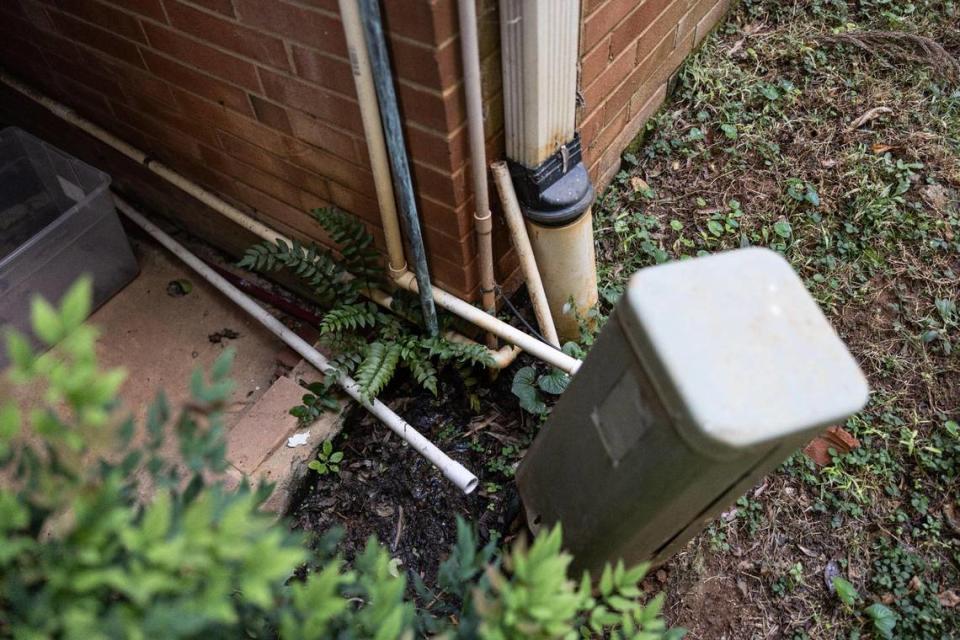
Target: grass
(760,145)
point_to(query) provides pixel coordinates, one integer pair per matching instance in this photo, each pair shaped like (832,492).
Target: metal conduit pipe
(478,156)
(379,60)
(452,469)
(501,358)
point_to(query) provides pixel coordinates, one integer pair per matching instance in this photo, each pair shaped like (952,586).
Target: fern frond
(349,317)
(464,353)
(355,244)
(417,360)
(377,368)
(313,265)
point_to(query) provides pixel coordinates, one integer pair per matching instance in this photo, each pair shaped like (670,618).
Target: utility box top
(739,351)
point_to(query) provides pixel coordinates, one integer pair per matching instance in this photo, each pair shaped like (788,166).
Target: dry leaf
(949,599)
(880,148)
(639,184)
(951,516)
(836,438)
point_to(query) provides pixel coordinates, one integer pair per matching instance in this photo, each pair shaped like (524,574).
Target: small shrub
(82,556)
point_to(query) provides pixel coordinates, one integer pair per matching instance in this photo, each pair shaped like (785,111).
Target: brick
(325,70)
(182,143)
(710,20)
(461,250)
(17,27)
(597,91)
(81,95)
(603,20)
(321,162)
(291,217)
(205,58)
(96,38)
(223,7)
(427,64)
(265,427)
(293,22)
(590,6)
(290,172)
(270,114)
(269,184)
(641,73)
(443,112)
(455,277)
(447,152)
(666,23)
(593,63)
(140,83)
(286,467)
(427,22)
(360,205)
(641,20)
(34,13)
(104,16)
(147,8)
(95,77)
(455,222)
(228,35)
(440,185)
(199,83)
(697,9)
(331,107)
(311,129)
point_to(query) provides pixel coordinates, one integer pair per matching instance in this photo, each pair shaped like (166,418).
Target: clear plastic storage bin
(57,222)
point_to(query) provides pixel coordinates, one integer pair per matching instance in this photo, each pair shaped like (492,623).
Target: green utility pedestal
(709,373)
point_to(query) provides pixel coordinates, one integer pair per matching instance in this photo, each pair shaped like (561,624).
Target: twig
(871,114)
(901,45)
(396,538)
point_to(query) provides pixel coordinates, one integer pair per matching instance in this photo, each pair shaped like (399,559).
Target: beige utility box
(709,373)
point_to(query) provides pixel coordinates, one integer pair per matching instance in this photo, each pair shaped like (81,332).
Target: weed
(328,460)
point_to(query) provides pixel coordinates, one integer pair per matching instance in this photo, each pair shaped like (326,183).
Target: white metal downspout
(540,53)
(452,469)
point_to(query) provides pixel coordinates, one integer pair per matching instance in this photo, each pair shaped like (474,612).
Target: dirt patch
(387,490)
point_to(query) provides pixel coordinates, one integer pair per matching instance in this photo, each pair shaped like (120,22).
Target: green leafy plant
(368,341)
(881,617)
(528,385)
(328,460)
(91,547)
(320,400)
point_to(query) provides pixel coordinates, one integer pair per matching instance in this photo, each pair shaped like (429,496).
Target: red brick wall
(255,100)
(629,50)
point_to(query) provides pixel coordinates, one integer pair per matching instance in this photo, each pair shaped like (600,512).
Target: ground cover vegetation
(829,131)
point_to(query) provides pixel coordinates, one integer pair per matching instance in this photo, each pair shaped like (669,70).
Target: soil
(387,490)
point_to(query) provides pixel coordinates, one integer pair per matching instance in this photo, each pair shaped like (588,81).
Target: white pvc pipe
(521,242)
(452,469)
(404,279)
(483,223)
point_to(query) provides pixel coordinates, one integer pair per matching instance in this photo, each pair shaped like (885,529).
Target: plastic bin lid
(739,351)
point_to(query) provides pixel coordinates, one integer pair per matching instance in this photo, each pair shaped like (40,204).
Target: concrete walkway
(159,339)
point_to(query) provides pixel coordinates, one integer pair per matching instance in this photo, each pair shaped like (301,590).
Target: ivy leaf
(845,591)
(884,619)
(729,130)
(554,382)
(524,388)
(783,229)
